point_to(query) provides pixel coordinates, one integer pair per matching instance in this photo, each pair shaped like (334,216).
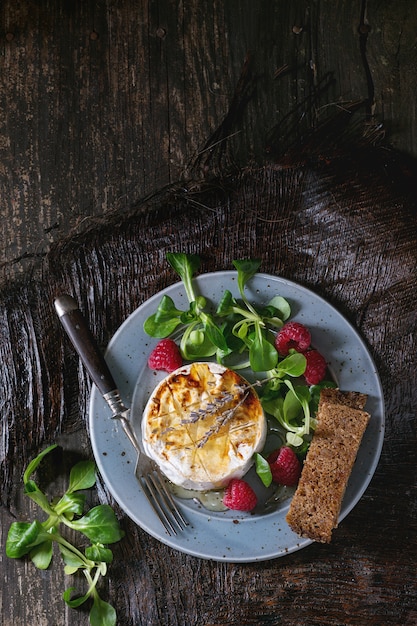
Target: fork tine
(166,496)
(151,495)
(162,503)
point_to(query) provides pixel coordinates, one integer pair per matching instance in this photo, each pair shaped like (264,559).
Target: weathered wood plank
(105,103)
(293,219)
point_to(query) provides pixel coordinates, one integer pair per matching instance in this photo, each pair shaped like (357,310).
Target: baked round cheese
(202,425)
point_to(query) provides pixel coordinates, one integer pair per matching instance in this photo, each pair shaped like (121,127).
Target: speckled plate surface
(230,536)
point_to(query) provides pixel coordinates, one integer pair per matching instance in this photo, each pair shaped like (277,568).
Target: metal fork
(152,482)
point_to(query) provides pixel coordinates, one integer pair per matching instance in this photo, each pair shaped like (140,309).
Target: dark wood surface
(280,130)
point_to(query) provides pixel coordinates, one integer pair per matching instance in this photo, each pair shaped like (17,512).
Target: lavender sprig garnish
(221,420)
(211,408)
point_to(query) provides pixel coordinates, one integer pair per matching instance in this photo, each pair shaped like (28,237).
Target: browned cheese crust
(341,423)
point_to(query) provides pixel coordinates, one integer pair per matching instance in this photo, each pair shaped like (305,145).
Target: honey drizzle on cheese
(202,423)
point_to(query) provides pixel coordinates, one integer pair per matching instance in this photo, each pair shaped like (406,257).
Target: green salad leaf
(99,524)
(240,333)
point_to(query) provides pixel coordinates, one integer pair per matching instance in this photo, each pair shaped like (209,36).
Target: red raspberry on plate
(165,356)
(239,496)
(316,367)
(292,335)
(285,466)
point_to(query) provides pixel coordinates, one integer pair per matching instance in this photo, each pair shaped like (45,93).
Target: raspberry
(239,496)
(165,356)
(292,335)
(316,367)
(285,466)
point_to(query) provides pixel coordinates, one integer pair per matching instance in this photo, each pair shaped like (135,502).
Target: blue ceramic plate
(230,536)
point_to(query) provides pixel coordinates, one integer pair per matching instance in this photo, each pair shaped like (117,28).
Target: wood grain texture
(130,129)
(337,225)
(105,102)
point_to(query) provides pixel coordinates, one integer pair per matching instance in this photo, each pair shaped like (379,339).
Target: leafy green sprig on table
(99,525)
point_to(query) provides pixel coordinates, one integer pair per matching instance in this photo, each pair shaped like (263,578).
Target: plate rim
(95,398)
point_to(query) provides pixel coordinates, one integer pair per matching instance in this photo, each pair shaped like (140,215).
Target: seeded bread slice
(315,507)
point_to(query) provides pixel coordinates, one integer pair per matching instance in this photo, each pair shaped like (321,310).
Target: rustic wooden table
(285,131)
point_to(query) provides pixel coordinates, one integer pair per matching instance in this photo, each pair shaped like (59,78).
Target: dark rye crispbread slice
(341,423)
(354,399)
